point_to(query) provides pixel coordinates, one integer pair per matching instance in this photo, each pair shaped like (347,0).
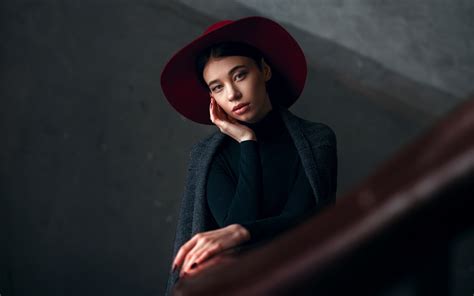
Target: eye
(215,88)
(240,75)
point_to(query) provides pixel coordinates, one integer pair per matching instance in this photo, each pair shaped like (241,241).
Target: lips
(239,106)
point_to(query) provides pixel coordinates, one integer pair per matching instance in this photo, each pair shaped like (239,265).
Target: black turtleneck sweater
(261,184)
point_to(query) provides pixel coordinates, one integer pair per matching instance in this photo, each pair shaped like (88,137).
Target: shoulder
(316,132)
(199,148)
(206,142)
(319,131)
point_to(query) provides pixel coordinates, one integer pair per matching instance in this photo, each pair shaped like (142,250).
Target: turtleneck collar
(270,125)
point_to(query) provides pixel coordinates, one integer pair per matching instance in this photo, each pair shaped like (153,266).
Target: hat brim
(180,82)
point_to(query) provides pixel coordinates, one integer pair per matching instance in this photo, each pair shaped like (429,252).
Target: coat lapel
(205,152)
(303,146)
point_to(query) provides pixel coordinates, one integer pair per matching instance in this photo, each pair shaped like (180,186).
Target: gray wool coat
(309,137)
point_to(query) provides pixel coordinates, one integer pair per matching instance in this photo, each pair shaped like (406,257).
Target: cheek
(258,83)
(258,88)
(249,88)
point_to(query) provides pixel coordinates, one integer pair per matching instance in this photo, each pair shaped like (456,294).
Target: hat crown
(288,75)
(216,26)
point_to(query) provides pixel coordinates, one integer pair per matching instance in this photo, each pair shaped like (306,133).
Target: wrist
(243,232)
(249,136)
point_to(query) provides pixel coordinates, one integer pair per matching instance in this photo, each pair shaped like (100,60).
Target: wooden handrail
(398,220)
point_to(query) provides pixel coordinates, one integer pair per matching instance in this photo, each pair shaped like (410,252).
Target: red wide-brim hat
(180,81)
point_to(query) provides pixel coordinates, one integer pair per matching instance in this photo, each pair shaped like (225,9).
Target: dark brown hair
(226,49)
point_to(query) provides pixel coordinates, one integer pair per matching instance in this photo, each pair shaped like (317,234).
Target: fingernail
(193,265)
(174,267)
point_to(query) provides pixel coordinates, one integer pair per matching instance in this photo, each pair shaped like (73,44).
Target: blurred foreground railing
(401,220)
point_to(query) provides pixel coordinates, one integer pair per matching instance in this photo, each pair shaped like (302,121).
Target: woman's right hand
(229,125)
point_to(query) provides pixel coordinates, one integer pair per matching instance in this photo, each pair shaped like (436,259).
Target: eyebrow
(229,73)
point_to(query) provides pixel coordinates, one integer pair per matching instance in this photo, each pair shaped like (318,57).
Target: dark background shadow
(93,157)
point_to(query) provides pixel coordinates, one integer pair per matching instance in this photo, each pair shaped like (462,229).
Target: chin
(247,118)
(244,119)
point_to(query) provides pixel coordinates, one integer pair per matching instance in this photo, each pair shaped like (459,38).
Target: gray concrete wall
(429,42)
(93,158)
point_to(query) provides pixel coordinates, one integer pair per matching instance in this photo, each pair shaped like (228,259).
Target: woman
(265,170)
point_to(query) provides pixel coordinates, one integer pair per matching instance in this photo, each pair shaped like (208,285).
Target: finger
(224,118)
(183,251)
(206,259)
(220,118)
(202,254)
(217,111)
(192,271)
(222,113)
(211,111)
(214,112)
(187,265)
(207,253)
(192,255)
(212,261)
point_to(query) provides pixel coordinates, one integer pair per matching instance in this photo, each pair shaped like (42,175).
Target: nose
(233,92)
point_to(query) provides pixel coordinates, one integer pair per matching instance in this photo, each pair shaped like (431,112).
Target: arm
(239,204)
(295,210)
(301,200)
(236,203)
(205,244)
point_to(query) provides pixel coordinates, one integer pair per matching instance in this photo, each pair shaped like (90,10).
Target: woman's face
(236,80)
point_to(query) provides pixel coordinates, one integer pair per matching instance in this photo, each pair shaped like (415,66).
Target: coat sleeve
(324,150)
(185,215)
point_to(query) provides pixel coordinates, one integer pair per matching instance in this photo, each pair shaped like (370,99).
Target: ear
(267,71)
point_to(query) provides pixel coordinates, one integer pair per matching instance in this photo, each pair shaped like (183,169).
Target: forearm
(231,204)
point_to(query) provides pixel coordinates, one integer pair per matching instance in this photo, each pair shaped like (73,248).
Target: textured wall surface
(93,158)
(427,41)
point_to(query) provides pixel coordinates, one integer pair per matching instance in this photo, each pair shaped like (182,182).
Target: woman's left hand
(207,244)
